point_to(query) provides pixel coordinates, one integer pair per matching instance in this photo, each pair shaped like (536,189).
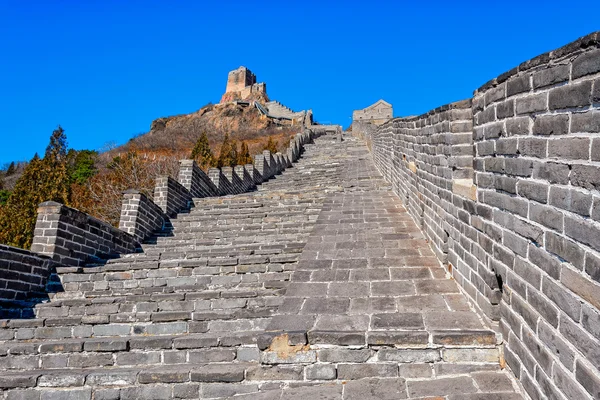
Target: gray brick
(23,394)
(518,126)
(533,190)
(556,345)
(551,124)
(107,394)
(112,330)
(586,64)
(586,176)
(146,392)
(588,379)
(518,166)
(590,319)
(73,394)
(582,231)
(570,96)
(592,266)
(569,148)
(410,356)
(567,384)
(545,261)
(506,146)
(518,84)
(383,389)
(531,104)
(359,371)
(321,372)
(441,387)
(552,172)
(587,122)
(505,109)
(533,147)
(550,76)
(138,358)
(495,94)
(494,130)
(571,200)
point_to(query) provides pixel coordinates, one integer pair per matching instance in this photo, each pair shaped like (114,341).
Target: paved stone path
(319,285)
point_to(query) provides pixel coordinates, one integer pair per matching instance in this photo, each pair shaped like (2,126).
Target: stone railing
(72,238)
(506,188)
(23,274)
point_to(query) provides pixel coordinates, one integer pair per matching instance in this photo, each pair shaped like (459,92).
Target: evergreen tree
(271,145)
(81,165)
(244,155)
(4,194)
(202,153)
(226,152)
(11,169)
(42,180)
(233,154)
(18,216)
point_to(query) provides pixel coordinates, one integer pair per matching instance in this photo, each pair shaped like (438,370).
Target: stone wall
(23,274)
(71,237)
(171,196)
(506,187)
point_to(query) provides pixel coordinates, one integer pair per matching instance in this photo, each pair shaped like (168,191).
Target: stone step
(125,351)
(209,321)
(189,275)
(149,309)
(252,381)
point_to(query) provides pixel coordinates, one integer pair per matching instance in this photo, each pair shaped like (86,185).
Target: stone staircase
(316,285)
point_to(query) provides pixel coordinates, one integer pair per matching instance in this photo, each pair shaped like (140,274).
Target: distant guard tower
(367,119)
(241,84)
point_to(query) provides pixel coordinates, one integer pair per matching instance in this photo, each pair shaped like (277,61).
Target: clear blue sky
(105,69)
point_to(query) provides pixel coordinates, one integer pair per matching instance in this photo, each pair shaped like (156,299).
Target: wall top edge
(28,253)
(589,41)
(457,105)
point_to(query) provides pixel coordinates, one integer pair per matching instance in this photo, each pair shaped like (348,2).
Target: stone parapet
(140,216)
(171,196)
(195,180)
(71,237)
(23,274)
(506,188)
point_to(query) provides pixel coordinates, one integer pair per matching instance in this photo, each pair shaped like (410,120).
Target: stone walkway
(319,285)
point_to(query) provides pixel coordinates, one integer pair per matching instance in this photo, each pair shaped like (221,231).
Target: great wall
(453,255)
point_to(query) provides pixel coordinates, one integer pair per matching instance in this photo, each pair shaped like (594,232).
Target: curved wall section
(506,186)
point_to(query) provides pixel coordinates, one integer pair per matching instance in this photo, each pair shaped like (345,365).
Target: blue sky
(105,69)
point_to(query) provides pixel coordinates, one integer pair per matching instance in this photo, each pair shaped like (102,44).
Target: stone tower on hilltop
(241,85)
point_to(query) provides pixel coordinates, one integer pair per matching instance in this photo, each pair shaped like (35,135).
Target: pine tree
(271,145)
(11,169)
(81,165)
(42,180)
(226,153)
(244,155)
(18,216)
(233,154)
(202,153)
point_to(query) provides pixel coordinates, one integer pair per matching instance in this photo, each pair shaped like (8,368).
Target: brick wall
(506,187)
(195,180)
(171,196)
(23,274)
(71,237)
(140,216)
